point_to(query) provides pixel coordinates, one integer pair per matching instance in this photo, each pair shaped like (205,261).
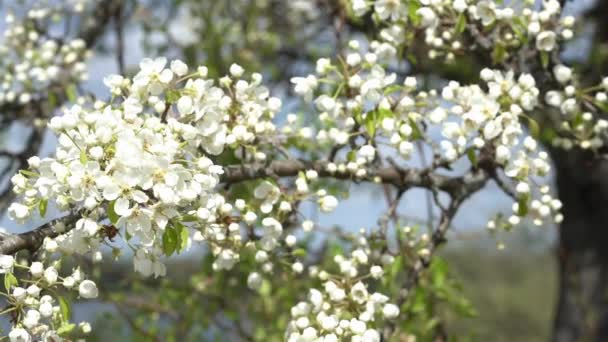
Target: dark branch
(32,240)
(457,187)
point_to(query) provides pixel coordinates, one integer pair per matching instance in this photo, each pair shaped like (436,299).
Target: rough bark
(582,310)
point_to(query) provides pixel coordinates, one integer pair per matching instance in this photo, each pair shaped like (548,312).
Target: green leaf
(64,307)
(461,23)
(28,173)
(439,270)
(544,59)
(384,113)
(111,213)
(412,8)
(72,93)
(189,218)
(83,157)
(370,123)
(416,133)
(499,54)
(182,236)
(169,241)
(393,88)
(533,127)
(9,281)
(522,209)
(351,156)
(299,252)
(42,206)
(265,289)
(66,329)
(472,156)
(52,100)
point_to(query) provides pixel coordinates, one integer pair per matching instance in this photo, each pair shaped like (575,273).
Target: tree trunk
(582,312)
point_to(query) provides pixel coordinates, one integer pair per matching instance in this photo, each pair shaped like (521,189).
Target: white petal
(121,207)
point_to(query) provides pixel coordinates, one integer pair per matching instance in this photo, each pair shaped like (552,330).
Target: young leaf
(64,307)
(111,213)
(72,93)
(300,252)
(169,241)
(9,281)
(42,206)
(461,24)
(66,329)
(28,173)
(472,157)
(83,157)
(182,236)
(370,123)
(392,88)
(412,8)
(522,209)
(533,127)
(416,134)
(544,59)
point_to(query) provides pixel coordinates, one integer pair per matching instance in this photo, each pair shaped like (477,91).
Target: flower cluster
(37,312)
(343,309)
(31,60)
(579,107)
(121,160)
(444,24)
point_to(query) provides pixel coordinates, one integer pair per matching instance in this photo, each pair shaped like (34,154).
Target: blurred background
(500,286)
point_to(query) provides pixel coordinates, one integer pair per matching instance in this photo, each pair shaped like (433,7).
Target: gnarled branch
(457,187)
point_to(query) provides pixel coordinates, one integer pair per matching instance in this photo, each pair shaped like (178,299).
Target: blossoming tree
(178,157)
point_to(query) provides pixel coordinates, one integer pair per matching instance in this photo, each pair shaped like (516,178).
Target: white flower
(32,317)
(329,323)
(545,41)
(438,115)
(236,70)
(357,326)
(18,211)
(152,75)
(6,263)
(554,98)
(87,289)
(36,269)
(376,271)
(254,281)
(85,327)
(371,335)
(459,5)
(367,152)
(328,203)
(19,335)
(305,86)
(359,7)
(179,68)
(428,17)
(46,309)
(185,105)
(562,73)
(486,10)
(385,8)
(51,275)
(503,154)
(358,293)
(390,311)
(33,290)
(19,293)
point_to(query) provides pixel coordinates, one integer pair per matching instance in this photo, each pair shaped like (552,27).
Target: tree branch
(456,187)
(32,240)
